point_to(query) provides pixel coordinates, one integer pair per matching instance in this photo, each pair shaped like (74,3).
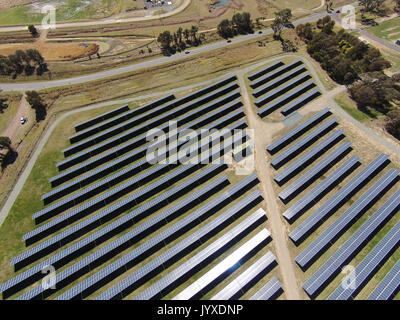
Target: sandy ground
(15,130)
(6,4)
(263,132)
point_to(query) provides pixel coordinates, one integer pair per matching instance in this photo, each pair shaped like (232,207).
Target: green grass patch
(350,107)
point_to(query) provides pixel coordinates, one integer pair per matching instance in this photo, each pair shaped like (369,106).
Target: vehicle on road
(398,42)
(260,32)
(289,25)
(229,41)
(23,120)
(187,52)
(337,11)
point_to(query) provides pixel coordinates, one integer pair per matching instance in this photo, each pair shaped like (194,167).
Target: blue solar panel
(369,265)
(241,284)
(334,203)
(389,286)
(300,102)
(298,131)
(314,173)
(301,145)
(265,70)
(352,246)
(321,189)
(308,158)
(328,237)
(269,291)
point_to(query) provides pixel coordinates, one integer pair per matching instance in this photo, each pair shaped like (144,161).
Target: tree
(165,39)
(288,46)
(5,142)
(392,123)
(32,29)
(282,18)
(224,29)
(193,33)
(372,5)
(35,101)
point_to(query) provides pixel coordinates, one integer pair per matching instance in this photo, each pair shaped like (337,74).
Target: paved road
(107,21)
(39,85)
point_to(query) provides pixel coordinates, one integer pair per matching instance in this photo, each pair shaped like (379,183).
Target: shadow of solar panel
(101,118)
(389,286)
(336,229)
(241,284)
(272,290)
(232,262)
(83,134)
(369,265)
(335,202)
(298,131)
(180,274)
(274,74)
(314,173)
(319,280)
(311,198)
(265,70)
(303,162)
(303,144)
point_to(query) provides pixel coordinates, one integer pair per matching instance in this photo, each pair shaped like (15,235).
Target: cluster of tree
(32,29)
(393,123)
(36,102)
(329,5)
(5,149)
(282,19)
(342,55)
(241,23)
(372,6)
(180,40)
(3,105)
(375,90)
(29,62)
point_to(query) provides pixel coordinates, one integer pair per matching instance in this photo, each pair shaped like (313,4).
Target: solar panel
(251,275)
(308,158)
(304,143)
(269,291)
(298,131)
(287,86)
(334,203)
(279,81)
(265,70)
(114,121)
(314,173)
(138,126)
(198,261)
(101,118)
(143,128)
(131,156)
(389,286)
(321,189)
(302,101)
(231,262)
(352,246)
(369,265)
(275,73)
(328,237)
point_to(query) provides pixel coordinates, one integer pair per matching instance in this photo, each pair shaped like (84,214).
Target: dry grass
(53,51)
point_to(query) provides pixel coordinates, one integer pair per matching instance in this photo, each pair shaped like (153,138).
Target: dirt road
(263,132)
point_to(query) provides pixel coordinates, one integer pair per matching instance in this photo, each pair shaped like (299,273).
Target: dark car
(260,32)
(229,41)
(337,11)
(289,25)
(187,52)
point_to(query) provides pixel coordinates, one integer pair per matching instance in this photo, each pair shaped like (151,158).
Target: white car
(22,120)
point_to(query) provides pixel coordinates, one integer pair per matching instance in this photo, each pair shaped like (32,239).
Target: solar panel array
(389,286)
(268,292)
(292,154)
(110,200)
(288,86)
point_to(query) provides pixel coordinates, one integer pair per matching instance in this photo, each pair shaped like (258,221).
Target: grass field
(350,107)
(389,30)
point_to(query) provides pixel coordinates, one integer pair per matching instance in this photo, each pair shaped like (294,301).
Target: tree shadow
(9,159)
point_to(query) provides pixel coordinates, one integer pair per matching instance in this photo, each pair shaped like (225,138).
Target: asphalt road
(39,85)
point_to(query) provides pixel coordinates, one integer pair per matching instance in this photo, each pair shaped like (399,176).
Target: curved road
(39,85)
(108,21)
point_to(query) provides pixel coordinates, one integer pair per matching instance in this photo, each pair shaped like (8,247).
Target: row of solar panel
(99,236)
(120,162)
(123,136)
(233,261)
(152,119)
(336,201)
(335,230)
(108,115)
(83,134)
(265,70)
(270,291)
(129,186)
(147,248)
(352,246)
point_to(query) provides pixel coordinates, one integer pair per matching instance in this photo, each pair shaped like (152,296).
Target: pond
(221,3)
